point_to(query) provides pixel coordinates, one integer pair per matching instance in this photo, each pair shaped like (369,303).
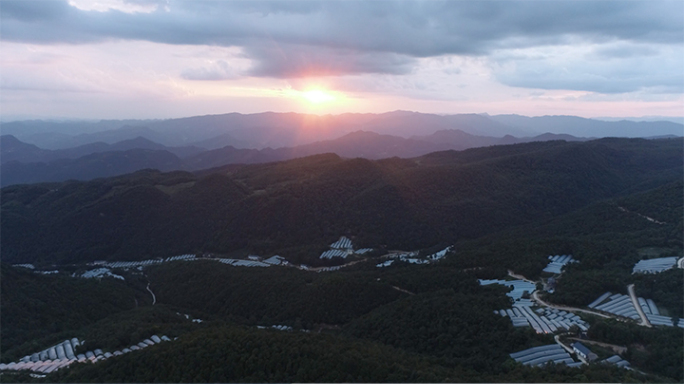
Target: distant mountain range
(26,163)
(38,151)
(12,149)
(579,126)
(275,130)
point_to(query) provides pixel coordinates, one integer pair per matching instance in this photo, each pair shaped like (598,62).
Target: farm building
(581,350)
(551,284)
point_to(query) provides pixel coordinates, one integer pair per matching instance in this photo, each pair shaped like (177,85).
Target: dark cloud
(292,61)
(423,28)
(32,11)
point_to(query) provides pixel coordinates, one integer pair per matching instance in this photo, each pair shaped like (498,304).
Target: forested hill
(297,207)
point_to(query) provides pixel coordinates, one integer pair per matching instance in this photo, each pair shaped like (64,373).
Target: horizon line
(20,118)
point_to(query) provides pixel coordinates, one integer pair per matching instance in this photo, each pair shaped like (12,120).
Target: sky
(118,59)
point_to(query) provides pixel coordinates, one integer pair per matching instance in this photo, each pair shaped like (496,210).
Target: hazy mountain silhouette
(275,130)
(580,126)
(88,167)
(28,163)
(12,149)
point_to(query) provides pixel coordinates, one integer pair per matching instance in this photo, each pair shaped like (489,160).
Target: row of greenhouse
(619,304)
(243,263)
(520,287)
(655,265)
(557,263)
(543,320)
(343,243)
(329,254)
(622,305)
(330,269)
(411,260)
(545,354)
(343,248)
(98,273)
(145,263)
(555,353)
(63,355)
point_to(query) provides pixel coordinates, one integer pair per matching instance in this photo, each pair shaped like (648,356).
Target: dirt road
(154,298)
(635,302)
(536,298)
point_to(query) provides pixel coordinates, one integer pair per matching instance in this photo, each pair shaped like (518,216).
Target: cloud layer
(295,39)
(441,54)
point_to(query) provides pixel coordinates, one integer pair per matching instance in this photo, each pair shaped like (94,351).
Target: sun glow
(317,96)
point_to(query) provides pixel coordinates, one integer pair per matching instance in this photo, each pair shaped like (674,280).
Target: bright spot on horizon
(317,96)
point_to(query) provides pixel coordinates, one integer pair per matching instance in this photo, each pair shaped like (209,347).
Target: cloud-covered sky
(159,59)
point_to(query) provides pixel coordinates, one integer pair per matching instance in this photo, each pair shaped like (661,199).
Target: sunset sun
(317,96)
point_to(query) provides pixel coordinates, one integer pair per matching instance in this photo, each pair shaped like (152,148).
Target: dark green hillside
(237,354)
(295,208)
(35,306)
(233,354)
(270,295)
(458,328)
(656,350)
(607,238)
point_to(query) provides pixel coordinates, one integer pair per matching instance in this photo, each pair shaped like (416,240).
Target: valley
(311,266)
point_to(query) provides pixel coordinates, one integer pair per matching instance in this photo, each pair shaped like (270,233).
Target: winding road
(535,297)
(557,339)
(154,298)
